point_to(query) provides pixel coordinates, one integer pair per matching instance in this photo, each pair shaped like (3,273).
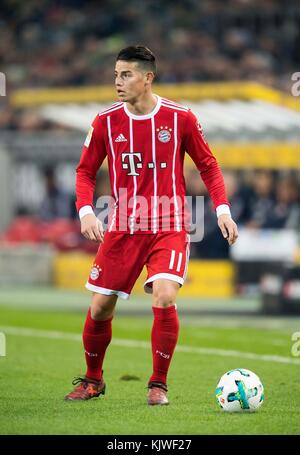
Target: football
(240,390)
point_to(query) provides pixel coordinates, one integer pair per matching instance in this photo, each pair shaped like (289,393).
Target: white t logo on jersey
(132,163)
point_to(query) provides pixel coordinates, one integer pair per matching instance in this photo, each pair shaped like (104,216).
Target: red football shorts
(121,257)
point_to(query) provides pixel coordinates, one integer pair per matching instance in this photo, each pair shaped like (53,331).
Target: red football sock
(164,337)
(96,337)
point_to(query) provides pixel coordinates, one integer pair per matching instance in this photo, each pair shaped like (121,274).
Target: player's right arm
(93,154)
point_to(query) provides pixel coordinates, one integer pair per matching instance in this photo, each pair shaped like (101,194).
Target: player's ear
(149,77)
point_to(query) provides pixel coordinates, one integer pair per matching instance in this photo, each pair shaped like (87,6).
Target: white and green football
(240,390)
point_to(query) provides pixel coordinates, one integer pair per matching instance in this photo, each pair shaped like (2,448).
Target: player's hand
(228,227)
(91,228)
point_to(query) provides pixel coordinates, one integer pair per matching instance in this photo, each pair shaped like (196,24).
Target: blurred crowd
(52,43)
(48,43)
(259,199)
(26,120)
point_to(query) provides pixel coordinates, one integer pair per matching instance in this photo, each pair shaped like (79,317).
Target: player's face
(130,80)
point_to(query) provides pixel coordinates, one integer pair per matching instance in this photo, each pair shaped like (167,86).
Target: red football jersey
(145,161)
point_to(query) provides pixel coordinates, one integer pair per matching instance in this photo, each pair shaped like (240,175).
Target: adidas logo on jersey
(121,138)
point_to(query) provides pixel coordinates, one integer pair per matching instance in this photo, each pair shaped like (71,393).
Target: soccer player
(144,138)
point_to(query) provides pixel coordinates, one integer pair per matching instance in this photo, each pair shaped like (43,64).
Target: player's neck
(143,105)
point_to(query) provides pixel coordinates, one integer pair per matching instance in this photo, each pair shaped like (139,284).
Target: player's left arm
(197,147)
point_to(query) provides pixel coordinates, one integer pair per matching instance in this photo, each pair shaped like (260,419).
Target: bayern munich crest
(164,134)
(95,272)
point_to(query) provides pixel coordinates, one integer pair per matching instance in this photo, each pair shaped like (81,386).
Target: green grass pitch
(41,362)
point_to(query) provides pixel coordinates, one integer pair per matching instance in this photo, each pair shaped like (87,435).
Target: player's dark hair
(140,54)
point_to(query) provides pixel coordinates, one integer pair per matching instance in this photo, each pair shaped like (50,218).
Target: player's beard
(123,97)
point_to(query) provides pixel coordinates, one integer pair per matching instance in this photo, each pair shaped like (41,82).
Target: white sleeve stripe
(174,107)
(114,172)
(111,109)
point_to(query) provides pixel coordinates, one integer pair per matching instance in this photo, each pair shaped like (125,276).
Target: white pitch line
(22,331)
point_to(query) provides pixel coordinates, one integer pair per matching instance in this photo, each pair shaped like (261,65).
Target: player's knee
(164,298)
(164,293)
(103,306)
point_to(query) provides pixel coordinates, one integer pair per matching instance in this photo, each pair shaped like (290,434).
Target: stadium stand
(236,60)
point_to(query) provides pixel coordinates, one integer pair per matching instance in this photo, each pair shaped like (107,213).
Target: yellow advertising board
(205,278)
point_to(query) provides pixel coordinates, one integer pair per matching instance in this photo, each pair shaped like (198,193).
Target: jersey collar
(146,116)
